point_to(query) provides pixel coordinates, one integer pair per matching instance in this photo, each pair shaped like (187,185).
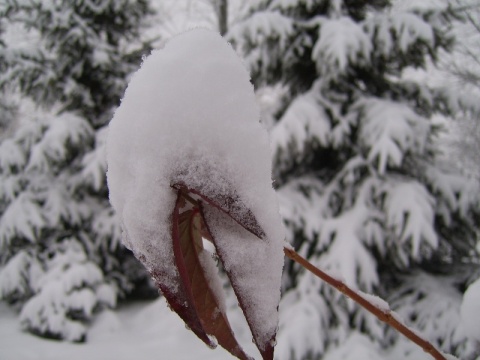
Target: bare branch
(386,316)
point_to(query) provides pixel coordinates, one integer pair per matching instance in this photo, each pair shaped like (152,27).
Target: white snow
(64,132)
(357,346)
(68,283)
(12,156)
(263,27)
(389,130)
(263,24)
(106,294)
(14,274)
(22,218)
(145,331)
(303,120)
(469,311)
(301,310)
(95,162)
(341,42)
(141,331)
(410,214)
(189,115)
(400,27)
(430,305)
(375,300)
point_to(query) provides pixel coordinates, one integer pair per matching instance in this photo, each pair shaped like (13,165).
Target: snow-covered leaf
(200,288)
(197,131)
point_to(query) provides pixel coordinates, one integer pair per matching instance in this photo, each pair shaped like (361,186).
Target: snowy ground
(141,331)
(149,330)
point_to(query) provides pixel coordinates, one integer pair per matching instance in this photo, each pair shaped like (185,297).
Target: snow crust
(189,115)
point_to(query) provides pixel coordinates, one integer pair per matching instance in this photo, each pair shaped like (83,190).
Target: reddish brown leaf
(232,205)
(266,349)
(235,209)
(199,307)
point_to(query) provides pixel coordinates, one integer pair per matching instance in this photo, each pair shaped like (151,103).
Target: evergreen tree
(462,69)
(355,166)
(60,253)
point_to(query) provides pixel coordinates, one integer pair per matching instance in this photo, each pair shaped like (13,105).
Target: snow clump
(189,116)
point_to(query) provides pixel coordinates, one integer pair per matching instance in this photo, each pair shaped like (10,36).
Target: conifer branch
(384,315)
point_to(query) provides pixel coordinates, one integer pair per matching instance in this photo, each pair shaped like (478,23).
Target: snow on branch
(341,43)
(400,30)
(262,24)
(12,156)
(14,276)
(66,294)
(389,130)
(64,133)
(303,121)
(411,213)
(23,219)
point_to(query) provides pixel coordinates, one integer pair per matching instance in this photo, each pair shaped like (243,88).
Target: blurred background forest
(373,112)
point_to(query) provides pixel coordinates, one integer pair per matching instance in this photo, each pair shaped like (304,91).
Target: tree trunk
(221,9)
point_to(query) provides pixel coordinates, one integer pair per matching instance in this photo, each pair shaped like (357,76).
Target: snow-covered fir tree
(462,68)
(60,253)
(355,167)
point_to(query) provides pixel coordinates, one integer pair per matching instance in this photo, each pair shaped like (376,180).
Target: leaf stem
(383,315)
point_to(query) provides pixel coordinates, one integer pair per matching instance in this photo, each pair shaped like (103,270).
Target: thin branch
(383,315)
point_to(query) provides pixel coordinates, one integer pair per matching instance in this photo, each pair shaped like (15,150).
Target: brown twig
(383,315)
